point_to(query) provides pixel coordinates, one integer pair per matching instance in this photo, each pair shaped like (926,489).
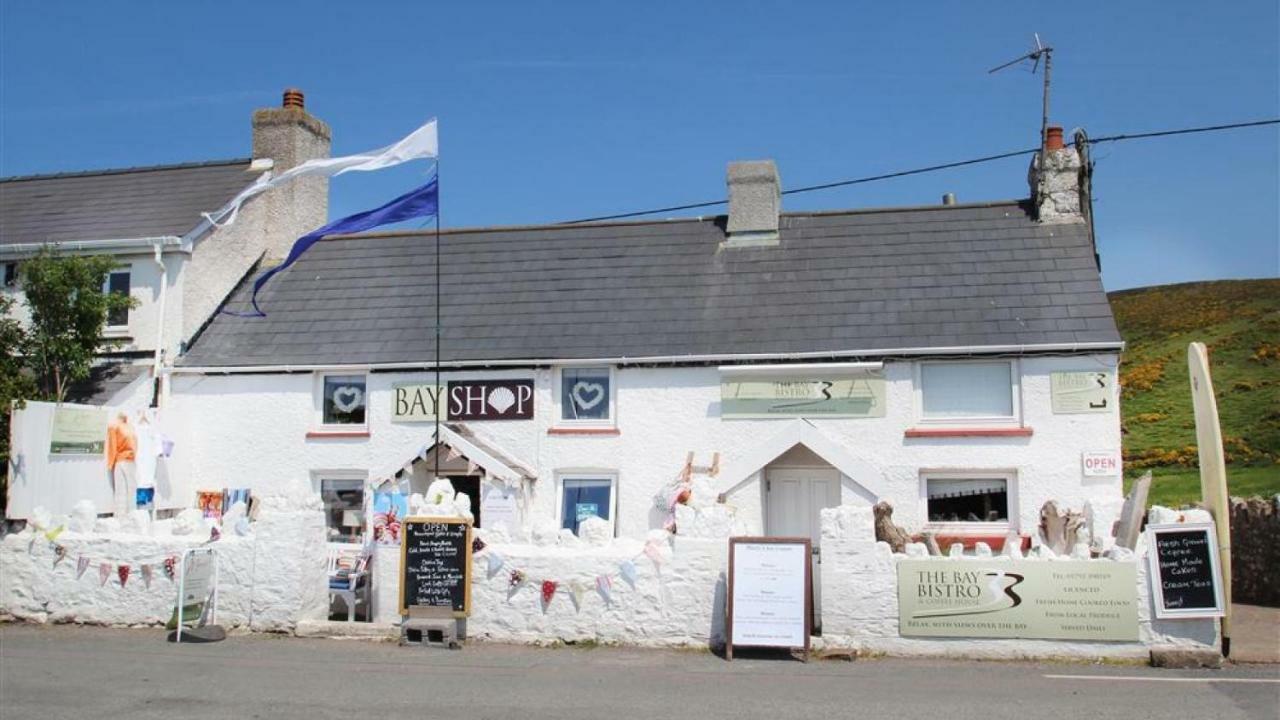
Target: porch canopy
(743,471)
(461,451)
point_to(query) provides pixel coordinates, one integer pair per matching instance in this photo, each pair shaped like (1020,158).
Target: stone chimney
(289,135)
(1055,179)
(755,201)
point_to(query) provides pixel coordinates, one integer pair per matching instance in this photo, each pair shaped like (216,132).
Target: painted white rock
(1080,551)
(440,491)
(594,531)
(233,514)
(107,526)
(1159,515)
(462,506)
(83,517)
(136,522)
(40,518)
(917,550)
(568,539)
(956,550)
(982,550)
(187,522)
(545,532)
(1119,553)
(1012,546)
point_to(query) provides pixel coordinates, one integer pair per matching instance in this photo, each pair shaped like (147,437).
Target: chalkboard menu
(435,566)
(1184,570)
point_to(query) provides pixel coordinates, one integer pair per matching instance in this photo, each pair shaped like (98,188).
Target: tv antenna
(1045,52)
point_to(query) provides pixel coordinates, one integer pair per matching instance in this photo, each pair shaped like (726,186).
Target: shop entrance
(794,497)
(469,484)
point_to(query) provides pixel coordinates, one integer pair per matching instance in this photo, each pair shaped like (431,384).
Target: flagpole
(439,392)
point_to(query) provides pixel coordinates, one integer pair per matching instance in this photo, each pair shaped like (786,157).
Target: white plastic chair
(349,577)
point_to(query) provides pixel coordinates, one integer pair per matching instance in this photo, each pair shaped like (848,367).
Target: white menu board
(768,581)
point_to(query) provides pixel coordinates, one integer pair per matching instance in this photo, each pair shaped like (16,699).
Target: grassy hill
(1239,321)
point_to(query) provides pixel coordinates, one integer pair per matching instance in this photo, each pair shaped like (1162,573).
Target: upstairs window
(968,392)
(117,282)
(343,400)
(586,395)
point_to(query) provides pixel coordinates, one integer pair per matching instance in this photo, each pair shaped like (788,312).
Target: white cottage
(958,361)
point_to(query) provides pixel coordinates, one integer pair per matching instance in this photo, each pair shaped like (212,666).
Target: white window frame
(1015,390)
(557,384)
(1001,527)
(588,474)
(317,486)
(318,394)
(106,288)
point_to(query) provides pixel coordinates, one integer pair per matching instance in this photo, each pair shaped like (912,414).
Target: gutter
(167,242)
(1084,347)
(159,353)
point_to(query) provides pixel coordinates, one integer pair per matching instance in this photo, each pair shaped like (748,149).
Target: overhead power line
(933,168)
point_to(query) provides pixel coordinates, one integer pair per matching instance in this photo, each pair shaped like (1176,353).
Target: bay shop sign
(462,400)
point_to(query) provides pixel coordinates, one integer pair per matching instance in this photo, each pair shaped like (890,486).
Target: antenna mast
(1041,51)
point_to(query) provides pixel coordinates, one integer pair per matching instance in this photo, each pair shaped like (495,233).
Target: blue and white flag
(421,143)
(422,202)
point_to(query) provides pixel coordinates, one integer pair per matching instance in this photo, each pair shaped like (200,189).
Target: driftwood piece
(1129,526)
(1059,530)
(931,542)
(886,531)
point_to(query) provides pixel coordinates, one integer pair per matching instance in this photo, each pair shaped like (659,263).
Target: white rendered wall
(251,431)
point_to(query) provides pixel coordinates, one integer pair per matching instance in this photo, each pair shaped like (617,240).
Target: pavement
(53,672)
(1255,634)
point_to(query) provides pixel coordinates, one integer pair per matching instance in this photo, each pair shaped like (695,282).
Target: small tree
(68,312)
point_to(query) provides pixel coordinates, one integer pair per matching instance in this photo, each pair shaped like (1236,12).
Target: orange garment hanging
(122,444)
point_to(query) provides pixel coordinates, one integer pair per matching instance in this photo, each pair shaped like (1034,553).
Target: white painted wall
(251,430)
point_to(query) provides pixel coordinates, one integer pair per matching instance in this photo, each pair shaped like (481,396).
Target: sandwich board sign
(197,589)
(1185,579)
(770,598)
(435,567)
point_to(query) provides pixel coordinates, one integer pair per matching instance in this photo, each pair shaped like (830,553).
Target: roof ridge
(122,171)
(527,227)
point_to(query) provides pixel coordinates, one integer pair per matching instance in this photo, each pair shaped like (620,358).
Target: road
(78,672)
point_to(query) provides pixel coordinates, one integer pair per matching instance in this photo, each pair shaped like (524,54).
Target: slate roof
(840,282)
(105,381)
(116,204)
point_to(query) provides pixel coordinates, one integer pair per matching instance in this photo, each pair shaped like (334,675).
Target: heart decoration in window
(348,398)
(587,395)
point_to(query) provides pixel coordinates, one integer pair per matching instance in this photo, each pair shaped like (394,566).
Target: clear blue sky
(558,110)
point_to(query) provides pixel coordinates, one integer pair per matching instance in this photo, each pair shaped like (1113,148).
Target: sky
(555,111)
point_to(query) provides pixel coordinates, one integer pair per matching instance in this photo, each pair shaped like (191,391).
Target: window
(343,400)
(968,498)
(343,500)
(968,391)
(584,496)
(117,282)
(586,395)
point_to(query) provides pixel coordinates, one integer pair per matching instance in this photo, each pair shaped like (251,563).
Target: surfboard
(1213,469)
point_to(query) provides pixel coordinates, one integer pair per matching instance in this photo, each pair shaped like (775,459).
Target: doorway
(794,497)
(469,484)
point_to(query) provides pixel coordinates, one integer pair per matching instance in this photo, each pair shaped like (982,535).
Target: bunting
(517,578)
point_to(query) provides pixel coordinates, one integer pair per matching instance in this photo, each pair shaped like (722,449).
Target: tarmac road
(81,672)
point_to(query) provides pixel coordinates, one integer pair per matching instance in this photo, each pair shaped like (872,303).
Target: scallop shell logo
(501,399)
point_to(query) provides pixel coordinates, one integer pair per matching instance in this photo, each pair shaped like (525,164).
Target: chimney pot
(949,199)
(1053,138)
(293,98)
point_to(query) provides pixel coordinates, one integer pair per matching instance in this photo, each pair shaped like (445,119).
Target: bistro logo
(950,593)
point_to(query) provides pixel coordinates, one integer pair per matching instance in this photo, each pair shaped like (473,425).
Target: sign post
(1185,578)
(770,596)
(435,567)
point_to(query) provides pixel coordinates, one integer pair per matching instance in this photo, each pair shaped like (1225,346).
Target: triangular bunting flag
(53,534)
(653,552)
(171,567)
(604,586)
(548,593)
(59,554)
(496,562)
(577,591)
(628,571)
(82,564)
(123,573)
(477,545)
(517,579)
(146,575)
(104,572)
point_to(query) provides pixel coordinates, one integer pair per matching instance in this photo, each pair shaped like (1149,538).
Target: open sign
(1101,464)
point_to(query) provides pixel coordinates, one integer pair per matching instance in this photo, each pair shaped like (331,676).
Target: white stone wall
(269,580)
(251,431)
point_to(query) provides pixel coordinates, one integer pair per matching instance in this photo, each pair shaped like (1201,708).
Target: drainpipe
(157,379)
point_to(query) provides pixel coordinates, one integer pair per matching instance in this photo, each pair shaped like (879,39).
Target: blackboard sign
(770,598)
(1184,570)
(435,566)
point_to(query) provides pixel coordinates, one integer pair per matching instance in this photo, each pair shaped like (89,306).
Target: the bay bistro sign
(463,400)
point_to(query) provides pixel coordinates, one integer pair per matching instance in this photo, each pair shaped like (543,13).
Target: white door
(793,499)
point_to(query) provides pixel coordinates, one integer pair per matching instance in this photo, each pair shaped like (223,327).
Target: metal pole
(439,392)
(1044,117)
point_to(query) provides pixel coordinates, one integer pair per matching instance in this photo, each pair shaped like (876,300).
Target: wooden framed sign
(1185,578)
(435,567)
(770,597)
